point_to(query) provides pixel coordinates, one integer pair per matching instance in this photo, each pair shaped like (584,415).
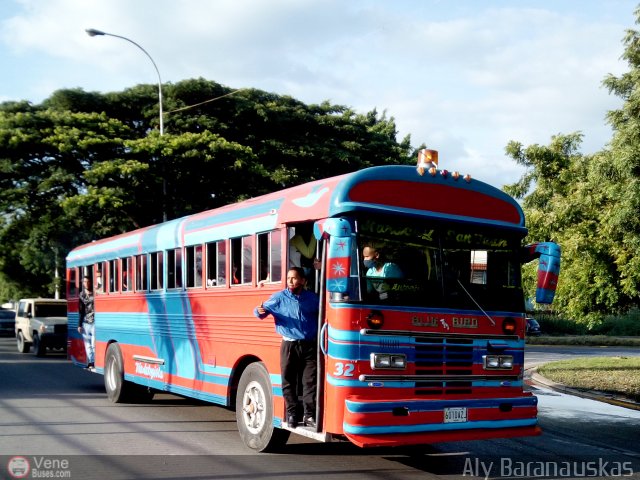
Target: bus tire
(39,347)
(114,374)
(23,346)
(254,411)
(118,389)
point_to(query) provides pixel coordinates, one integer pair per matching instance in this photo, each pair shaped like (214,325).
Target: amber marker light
(375,319)
(509,326)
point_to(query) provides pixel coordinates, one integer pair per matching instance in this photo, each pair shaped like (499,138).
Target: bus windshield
(416,262)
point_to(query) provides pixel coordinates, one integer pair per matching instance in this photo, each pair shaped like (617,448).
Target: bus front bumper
(370,423)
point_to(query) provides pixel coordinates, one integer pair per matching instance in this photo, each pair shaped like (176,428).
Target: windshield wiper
(477,304)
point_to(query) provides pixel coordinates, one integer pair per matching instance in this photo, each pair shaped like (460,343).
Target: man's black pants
(298,363)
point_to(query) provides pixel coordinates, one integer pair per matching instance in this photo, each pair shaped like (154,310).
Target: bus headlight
(498,362)
(387,360)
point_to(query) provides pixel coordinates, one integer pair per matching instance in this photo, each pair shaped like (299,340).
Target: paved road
(52,411)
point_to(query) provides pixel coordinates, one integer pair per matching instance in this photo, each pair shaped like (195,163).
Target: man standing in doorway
(295,311)
(86,324)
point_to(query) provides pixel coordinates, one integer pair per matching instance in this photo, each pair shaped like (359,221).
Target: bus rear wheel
(118,389)
(254,411)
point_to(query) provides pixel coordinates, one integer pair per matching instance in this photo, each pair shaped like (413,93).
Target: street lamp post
(92,32)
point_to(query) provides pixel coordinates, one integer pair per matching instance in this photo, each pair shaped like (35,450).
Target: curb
(536,379)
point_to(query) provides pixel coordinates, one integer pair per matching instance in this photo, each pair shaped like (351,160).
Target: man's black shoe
(292,421)
(309,421)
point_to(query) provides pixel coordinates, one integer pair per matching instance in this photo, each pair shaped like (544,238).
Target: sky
(465,77)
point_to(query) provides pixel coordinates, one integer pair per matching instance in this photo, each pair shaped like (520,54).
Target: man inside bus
(86,324)
(295,311)
(98,282)
(302,250)
(376,266)
(125,284)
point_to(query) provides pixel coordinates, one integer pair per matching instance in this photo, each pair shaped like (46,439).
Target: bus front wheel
(254,411)
(118,389)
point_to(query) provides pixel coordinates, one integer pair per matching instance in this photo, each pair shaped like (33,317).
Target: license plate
(455,415)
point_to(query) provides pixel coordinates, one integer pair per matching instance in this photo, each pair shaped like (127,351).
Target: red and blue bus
(433,355)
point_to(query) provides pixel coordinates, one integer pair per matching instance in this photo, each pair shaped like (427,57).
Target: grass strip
(585,340)
(620,375)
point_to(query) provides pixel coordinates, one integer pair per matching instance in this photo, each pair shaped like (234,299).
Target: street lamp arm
(92,32)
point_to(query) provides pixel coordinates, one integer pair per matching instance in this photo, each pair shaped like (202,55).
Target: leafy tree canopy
(85,165)
(590,205)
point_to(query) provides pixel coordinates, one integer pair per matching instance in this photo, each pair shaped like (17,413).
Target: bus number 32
(344,369)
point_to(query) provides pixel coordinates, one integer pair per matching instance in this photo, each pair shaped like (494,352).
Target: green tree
(85,165)
(619,169)
(293,142)
(564,201)
(169,175)
(590,205)
(43,155)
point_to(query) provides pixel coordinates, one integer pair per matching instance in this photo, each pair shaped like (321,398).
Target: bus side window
(156,266)
(113,276)
(99,273)
(125,280)
(141,273)
(222,262)
(247,260)
(86,271)
(269,257)
(241,260)
(275,256)
(72,279)
(174,268)
(178,267)
(216,263)
(194,266)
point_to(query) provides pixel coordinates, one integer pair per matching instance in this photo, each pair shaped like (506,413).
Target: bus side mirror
(548,268)
(338,231)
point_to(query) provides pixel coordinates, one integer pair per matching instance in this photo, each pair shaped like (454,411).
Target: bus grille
(443,356)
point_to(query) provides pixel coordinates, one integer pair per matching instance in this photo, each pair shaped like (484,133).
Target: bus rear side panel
(187,343)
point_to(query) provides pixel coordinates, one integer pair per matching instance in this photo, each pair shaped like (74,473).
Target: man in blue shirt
(295,311)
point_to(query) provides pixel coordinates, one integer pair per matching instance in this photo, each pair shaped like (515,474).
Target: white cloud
(464,77)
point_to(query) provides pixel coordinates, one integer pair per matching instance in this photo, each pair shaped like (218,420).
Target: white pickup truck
(43,323)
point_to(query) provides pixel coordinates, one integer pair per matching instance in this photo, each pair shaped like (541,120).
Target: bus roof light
(427,159)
